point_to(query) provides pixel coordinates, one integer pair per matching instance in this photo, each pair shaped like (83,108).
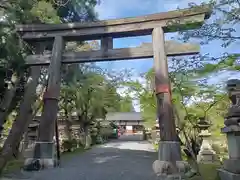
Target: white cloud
(170,5)
(110,9)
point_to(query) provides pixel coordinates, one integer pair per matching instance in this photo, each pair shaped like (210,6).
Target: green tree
(126,104)
(88,93)
(13,52)
(223,28)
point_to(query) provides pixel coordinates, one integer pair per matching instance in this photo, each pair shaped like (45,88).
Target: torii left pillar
(45,146)
(169,164)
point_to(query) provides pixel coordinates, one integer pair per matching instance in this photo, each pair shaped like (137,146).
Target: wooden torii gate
(155,25)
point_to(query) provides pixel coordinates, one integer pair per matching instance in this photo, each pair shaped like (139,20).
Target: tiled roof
(124,116)
(115,116)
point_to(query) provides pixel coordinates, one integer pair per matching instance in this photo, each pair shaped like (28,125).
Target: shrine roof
(124,116)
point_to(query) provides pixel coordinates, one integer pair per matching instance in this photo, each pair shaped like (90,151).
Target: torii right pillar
(169,164)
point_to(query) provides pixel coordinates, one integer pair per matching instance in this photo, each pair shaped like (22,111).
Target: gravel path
(116,160)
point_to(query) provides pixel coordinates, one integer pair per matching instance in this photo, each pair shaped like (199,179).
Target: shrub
(74,143)
(94,139)
(66,146)
(221,151)
(99,140)
(69,145)
(217,148)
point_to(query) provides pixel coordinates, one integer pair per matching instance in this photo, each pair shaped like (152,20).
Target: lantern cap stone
(233,82)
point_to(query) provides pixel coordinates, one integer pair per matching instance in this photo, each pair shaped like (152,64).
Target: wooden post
(169,152)
(49,115)
(163,88)
(106,43)
(44,145)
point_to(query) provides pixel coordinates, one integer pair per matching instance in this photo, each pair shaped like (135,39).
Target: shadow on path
(117,160)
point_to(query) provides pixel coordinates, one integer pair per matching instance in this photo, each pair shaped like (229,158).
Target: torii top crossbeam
(127,27)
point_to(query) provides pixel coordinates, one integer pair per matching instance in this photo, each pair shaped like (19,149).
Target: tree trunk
(22,120)
(25,142)
(6,102)
(87,137)
(82,137)
(67,128)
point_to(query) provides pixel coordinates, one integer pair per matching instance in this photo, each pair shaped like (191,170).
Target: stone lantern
(231,166)
(233,115)
(203,124)
(206,153)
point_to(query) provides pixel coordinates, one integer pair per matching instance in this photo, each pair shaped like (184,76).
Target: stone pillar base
(232,165)
(169,150)
(226,175)
(207,156)
(31,164)
(43,157)
(165,168)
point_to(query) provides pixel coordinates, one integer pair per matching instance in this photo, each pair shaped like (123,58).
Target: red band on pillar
(162,88)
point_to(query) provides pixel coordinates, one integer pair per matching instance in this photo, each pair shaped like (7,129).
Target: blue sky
(111,9)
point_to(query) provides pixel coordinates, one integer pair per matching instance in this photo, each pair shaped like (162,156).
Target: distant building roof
(113,116)
(124,116)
